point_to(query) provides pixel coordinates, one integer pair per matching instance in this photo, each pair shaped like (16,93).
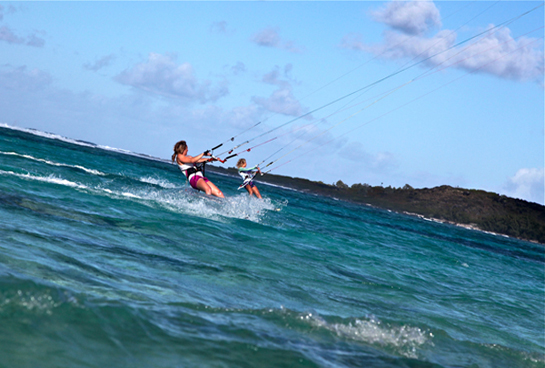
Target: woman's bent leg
(256,192)
(249,189)
(214,190)
(202,185)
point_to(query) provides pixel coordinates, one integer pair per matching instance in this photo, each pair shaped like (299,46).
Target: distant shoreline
(465,226)
(471,209)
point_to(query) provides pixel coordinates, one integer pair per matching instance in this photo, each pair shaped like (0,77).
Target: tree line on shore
(477,208)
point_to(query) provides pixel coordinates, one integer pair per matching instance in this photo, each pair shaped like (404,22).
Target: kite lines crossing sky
(453,56)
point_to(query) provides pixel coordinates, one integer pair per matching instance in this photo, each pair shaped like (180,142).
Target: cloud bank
(496,52)
(9,36)
(160,74)
(415,17)
(527,184)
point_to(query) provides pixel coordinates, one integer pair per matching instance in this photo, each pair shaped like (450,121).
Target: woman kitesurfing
(248,176)
(192,167)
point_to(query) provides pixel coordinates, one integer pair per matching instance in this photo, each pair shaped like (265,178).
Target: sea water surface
(108,259)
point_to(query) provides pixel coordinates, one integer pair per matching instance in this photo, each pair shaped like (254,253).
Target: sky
(422,93)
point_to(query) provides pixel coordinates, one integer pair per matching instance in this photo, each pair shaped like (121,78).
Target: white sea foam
(188,201)
(245,207)
(38,302)
(194,203)
(159,182)
(184,200)
(47,179)
(403,339)
(90,171)
(130,195)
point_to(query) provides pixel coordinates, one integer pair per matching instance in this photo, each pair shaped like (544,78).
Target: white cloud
(161,75)
(11,9)
(399,46)
(354,41)
(500,54)
(35,41)
(527,184)
(495,52)
(242,117)
(412,17)
(238,68)
(275,76)
(219,27)
(7,35)
(281,100)
(269,37)
(22,79)
(381,162)
(100,63)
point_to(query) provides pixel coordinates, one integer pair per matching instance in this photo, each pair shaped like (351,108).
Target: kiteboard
(246,182)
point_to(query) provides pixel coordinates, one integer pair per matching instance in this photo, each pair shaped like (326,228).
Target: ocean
(109,259)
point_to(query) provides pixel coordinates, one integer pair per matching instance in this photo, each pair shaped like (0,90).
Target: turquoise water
(109,260)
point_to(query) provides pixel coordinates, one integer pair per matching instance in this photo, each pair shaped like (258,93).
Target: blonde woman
(248,174)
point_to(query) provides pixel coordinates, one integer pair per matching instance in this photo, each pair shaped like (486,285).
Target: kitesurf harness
(190,169)
(248,174)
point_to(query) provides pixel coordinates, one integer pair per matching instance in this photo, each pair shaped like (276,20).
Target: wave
(404,340)
(401,339)
(48,135)
(90,171)
(393,338)
(53,179)
(158,182)
(170,197)
(27,299)
(147,180)
(81,142)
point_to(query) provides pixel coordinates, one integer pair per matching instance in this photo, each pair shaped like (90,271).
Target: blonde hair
(241,162)
(179,147)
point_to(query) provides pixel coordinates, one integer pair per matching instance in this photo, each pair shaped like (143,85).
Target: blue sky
(455,90)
